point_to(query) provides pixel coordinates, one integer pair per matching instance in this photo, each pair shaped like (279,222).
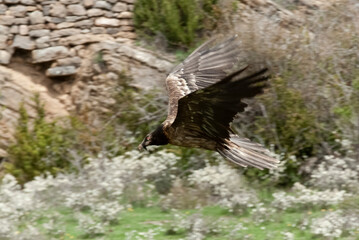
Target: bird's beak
(142,146)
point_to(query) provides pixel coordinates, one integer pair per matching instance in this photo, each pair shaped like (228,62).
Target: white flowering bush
(336,173)
(226,184)
(15,204)
(196,226)
(303,197)
(261,213)
(90,226)
(334,224)
(148,235)
(97,187)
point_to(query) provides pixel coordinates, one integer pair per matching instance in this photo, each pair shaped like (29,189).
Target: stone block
(19,21)
(61,71)
(18,11)
(23,30)
(3,41)
(37,27)
(68,2)
(3,9)
(7,20)
(80,39)
(23,42)
(65,25)
(76,10)
(88,23)
(11,1)
(73,61)
(75,18)
(125,15)
(4,57)
(103,5)
(88,3)
(14,29)
(120,7)
(64,32)
(43,42)
(98,30)
(28,2)
(107,22)
(95,12)
(49,54)
(4,30)
(36,17)
(39,33)
(58,10)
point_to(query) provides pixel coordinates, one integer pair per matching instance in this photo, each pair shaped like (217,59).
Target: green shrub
(40,146)
(178,20)
(288,124)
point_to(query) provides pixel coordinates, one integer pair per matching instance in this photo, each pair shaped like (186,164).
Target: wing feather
(204,67)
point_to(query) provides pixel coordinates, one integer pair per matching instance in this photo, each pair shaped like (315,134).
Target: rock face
(38,25)
(16,88)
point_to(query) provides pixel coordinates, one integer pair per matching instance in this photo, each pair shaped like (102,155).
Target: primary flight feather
(203,100)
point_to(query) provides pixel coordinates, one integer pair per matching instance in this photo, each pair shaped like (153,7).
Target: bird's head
(157,137)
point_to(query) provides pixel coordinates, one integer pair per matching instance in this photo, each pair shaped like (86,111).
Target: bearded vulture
(204,99)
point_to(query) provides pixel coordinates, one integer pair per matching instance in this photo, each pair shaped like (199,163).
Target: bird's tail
(243,152)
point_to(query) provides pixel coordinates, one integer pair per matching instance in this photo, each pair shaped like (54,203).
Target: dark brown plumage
(203,100)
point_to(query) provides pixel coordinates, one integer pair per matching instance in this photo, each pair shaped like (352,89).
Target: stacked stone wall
(57,31)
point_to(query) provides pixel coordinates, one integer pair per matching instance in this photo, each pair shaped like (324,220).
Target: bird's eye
(148,138)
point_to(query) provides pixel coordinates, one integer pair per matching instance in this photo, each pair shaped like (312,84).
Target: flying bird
(204,98)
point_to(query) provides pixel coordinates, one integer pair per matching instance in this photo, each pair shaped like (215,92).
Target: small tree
(39,147)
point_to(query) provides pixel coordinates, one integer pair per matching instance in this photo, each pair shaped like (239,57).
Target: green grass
(144,219)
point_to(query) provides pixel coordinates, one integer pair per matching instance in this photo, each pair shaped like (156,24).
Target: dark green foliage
(290,125)
(289,122)
(178,20)
(40,146)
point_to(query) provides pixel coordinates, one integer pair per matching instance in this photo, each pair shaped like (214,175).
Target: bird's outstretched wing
(207,65)
(208,112)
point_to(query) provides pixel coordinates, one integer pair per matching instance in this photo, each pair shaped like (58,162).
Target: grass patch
(144,219)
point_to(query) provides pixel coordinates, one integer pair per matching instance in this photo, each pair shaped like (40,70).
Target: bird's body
(203,100)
